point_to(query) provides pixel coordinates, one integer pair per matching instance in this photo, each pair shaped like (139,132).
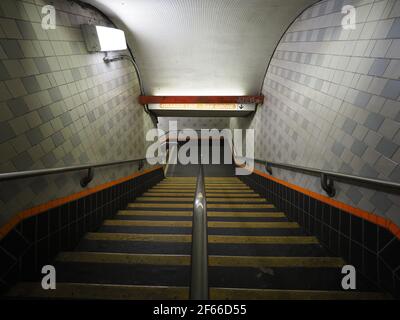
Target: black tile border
(35,241)
(370,248)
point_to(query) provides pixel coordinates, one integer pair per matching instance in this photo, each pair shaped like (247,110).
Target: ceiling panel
(207,47)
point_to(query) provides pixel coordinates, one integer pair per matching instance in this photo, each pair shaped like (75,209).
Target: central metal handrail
(199,263)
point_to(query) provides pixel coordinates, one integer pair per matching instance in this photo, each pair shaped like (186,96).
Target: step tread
(191,199)
(100,291)
(211,224)
(213,260)
(270,294)
(233,214)
(212,239)
(133,292)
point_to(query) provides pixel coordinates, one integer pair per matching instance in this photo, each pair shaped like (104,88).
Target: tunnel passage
(321,93)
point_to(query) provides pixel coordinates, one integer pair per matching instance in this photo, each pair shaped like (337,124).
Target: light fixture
(199,106)
(99,38)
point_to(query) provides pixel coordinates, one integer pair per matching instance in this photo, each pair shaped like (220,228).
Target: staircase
(144,252)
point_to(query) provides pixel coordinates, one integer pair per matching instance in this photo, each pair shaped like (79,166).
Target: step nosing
(212,239)
(211,224)
(213,260)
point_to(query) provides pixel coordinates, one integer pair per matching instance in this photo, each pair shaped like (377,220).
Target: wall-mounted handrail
(328,177)
(85,180)
(199,263)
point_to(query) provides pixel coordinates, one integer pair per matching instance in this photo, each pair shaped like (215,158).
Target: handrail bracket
(88,178)
(327,184)
(268,168)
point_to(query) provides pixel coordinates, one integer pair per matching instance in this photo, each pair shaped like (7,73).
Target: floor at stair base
(100,291)
(282,278)
(130,292)
(123,274)
(271,294)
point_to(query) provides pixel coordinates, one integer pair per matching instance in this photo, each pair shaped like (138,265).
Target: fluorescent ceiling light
(99,38)
(199,106)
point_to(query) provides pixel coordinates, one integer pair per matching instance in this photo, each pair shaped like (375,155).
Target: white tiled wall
(333,100)
(60,105)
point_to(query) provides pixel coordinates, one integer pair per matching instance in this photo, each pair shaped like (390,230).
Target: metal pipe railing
(199,263)
(84,181)
(328,177)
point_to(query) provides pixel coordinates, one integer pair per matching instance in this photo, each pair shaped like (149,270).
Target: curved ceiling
(207,47)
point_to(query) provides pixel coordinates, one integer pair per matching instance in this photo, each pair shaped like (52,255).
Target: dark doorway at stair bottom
(210,170)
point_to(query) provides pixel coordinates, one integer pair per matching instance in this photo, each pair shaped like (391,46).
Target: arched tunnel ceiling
(202,47)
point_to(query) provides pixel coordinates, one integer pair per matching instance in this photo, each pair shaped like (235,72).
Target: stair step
(244,214)
(124,258)
(271,294)
(176,184)
(233,192)
(170,194)
(230,184)
(227,214)
(161,205)
(186,238)
(148,223)
(251,225)
(137,247)
(293,276)
(137,292)
(234,186)
(208,187)
(218,178)
(211,224)
(209,205)
(275,262)
(155,213)
(191,194)
(191,199)
(213,261)
(239,206)
(174,245)
(231,195)
(165,199)
(211,199)
(212,239)
(100,291)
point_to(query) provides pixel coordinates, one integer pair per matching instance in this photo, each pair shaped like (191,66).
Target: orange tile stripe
(371,217)
(5,229)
